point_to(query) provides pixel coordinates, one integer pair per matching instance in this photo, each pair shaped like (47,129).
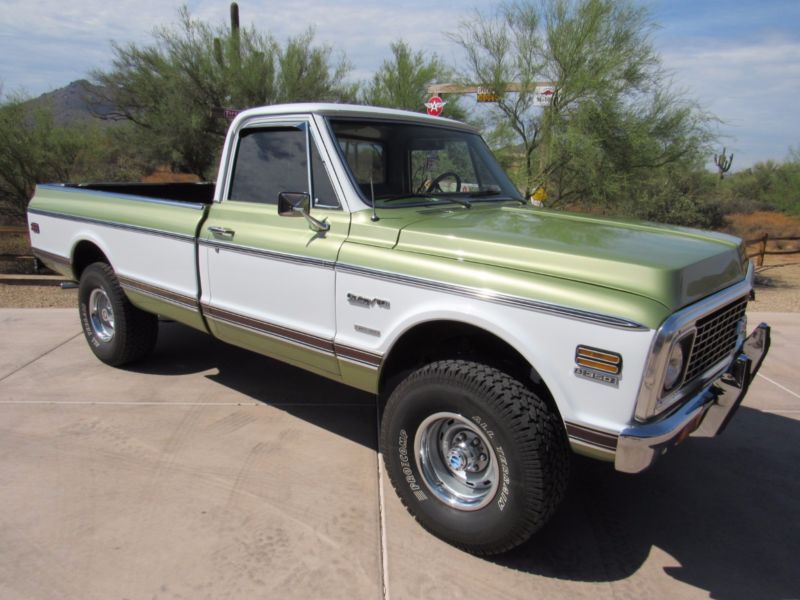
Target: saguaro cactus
(234,42)
(227,54)
(218,55)
(723,162)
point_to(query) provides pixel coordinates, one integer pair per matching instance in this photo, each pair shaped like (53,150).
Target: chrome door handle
(221,230)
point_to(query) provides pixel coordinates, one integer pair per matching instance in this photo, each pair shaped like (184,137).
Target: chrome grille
(716,338)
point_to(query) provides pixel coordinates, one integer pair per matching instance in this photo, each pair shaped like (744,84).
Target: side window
(323,190)
(268,162)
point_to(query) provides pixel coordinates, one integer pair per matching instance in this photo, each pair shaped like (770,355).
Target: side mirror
(293,204)
(298,204)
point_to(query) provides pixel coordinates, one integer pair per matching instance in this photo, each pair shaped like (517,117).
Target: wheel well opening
(442,340)
(84,255)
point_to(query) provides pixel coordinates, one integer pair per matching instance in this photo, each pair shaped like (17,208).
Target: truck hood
(671,265)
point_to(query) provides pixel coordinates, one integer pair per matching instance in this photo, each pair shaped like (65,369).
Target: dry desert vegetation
(778,278)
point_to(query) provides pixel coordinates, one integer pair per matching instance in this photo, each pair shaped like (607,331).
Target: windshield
(404,164)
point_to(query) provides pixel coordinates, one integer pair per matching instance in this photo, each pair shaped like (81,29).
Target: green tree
(31,150)
(170,88)
(769,185)
(35,149)
(604,151)
(612,118)
(402,81)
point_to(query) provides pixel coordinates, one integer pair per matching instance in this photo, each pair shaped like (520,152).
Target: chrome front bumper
(704,415)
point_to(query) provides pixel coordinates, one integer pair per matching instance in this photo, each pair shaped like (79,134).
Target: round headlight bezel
(675,367)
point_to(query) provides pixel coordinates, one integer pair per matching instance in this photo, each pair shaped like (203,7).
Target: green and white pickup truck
(387,250)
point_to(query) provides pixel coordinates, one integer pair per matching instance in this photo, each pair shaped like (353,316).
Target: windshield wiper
(461,201)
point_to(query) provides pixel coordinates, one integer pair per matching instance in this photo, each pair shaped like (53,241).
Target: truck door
(268,280)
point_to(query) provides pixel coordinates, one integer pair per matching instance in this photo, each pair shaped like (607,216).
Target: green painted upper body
(673,266)
(634,270)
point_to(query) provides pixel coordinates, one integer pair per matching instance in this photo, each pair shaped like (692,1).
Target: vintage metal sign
(435,106)
(543,95)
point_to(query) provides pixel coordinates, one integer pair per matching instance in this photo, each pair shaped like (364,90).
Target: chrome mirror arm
(314,224)
(297,204)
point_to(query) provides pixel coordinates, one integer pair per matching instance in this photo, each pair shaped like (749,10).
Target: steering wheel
(434,185)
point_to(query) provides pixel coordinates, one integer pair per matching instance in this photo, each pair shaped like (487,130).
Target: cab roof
(329,109)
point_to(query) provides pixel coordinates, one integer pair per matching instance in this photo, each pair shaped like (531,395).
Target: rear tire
(117,332)
(476,457)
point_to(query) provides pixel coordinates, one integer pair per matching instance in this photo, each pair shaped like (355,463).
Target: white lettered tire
(117,332)
(476,457)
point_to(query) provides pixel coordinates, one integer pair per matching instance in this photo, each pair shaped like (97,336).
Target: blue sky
(739,59)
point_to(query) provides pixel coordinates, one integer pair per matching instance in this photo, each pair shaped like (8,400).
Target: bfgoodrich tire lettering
(520,458)
(117,332)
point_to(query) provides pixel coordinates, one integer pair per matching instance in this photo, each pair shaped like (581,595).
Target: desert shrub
(675,208)
(35,149)
(766,185)
(751,226)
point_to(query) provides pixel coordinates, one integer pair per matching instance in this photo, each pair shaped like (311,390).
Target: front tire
(117,332)
(476,457)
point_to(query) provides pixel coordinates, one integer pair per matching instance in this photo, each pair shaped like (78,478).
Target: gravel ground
(777,287)
(777,290)
(37,296)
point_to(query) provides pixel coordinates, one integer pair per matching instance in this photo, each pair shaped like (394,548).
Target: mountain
(76,102)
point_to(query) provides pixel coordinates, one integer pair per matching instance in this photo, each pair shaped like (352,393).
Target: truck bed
(146,231)
(179,192)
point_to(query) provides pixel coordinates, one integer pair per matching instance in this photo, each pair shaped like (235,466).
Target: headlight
(674,372)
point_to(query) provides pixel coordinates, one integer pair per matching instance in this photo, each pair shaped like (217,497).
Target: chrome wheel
(101,315)
(457,462)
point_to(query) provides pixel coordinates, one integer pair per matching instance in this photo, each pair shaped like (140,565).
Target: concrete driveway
(210,472)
